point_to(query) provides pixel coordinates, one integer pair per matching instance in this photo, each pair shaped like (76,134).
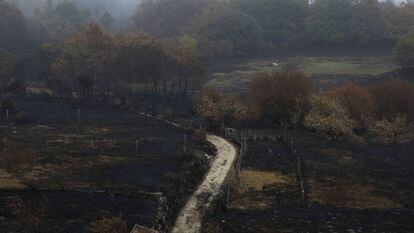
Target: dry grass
(9,181)
(48,173)
(257,201)
(343,157)
(255,181)
(361,196)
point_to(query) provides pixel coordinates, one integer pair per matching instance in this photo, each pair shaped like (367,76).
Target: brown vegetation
(109,225)
(392,131)
(281,95)
(95,63)
(328,118)
(20,163)
(356,100)
(31,219)
(220,109)
(381,112)
(393,97)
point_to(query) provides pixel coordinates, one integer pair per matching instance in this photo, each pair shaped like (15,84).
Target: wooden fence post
(136,147)
(7,116)
(5,144)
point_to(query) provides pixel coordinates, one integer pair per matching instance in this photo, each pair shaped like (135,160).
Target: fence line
(241,139)
(75,116)
(288,139)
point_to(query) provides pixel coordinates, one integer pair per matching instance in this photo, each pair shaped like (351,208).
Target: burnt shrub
(7,104)
(31,218)
(393,97)
(328,118)
(22,117)
(279,96)
(394,131)
(356,100)
(222,110)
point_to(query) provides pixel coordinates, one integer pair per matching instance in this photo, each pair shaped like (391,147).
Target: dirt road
(190,218)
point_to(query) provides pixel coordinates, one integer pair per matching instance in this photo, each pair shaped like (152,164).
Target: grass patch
(256,180)
(346,66)
(252,188)
(7,181)
(236,77)
(360,196)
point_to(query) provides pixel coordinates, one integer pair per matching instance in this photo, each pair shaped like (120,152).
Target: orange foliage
(393,97)
(356,100)
(278,96)
(220,109)
(19,161)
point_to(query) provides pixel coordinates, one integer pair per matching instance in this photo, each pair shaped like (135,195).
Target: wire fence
(242,138)
(294,151)
(76,116)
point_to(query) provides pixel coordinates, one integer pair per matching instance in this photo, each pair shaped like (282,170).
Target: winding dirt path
(190,218)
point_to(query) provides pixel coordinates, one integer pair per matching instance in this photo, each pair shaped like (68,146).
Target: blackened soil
(73,212)
(330,169)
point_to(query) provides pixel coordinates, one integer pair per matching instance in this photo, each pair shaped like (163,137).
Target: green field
(346,65)
(238,75)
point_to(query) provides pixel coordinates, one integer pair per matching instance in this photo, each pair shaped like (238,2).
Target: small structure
(142,229)
(230,133)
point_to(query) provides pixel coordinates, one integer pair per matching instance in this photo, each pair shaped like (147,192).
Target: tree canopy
(14,30)
(221,26)
(404,51)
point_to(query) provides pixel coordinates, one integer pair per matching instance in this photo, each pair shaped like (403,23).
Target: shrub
(209,104)
(7,104)
(22,117)
(357,101)
(109,225)
(29,217)
(220,109)
(20,163)
(391,131)
(393,97)
(404,51)
(7,68)
(278,96)
(20,159)
(328,118)
(17,86)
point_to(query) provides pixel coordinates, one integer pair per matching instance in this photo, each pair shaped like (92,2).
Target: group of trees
(77,58)
(219,28)
(241,27)
(204,29)
(404,51)
(14,36)
(60,20)
(52,20)
(120,11)
(93,62)
(49,22)
(384,110)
